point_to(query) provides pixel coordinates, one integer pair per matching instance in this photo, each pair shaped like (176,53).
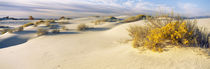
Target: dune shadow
(97,29)
(69,33)
(63,33)
(15,40)
(24,32)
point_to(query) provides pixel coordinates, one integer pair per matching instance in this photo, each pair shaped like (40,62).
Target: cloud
(189,9)
(75,8)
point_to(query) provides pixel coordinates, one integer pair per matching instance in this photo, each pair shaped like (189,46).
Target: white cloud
(189,9)
(76,8)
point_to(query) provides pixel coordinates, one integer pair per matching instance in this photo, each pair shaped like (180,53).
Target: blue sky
(78,8)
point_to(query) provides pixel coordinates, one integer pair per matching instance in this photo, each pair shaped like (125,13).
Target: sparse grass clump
(42,31)
(109,19)
(64,28)
(82,27)
(47,24)
(133,18)
(38,23)
(3,31)
(55,31)
(176,31)
(51,21)
(97,22)
(18,29)
(63,22)
(11,30)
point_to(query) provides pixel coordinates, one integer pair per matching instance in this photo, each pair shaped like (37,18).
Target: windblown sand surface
(105,47)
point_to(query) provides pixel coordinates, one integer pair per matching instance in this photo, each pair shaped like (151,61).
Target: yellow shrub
(175,32)
(158,33)
(28,24)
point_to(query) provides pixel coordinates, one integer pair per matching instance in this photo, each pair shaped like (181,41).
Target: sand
(105,47)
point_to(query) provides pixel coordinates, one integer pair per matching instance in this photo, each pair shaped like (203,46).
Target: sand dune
(96,49)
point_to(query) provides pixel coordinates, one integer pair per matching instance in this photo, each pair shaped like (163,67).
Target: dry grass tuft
(82,27)
(3,31)
(109,19)
(133,18)
(38,23)
(28,24)
(18,29)
(64,28)
(42,31)
(55,31)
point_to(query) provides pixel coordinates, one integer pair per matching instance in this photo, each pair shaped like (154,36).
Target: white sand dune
(101,49)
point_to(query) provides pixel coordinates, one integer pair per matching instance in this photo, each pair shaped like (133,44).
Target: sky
(80,8)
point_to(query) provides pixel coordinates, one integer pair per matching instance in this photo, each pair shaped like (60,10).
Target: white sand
(99,49)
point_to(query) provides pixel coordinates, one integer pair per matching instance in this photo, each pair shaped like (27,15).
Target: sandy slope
(11,39)
(96,49)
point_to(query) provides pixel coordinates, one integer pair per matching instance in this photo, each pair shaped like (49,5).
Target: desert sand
(107,46)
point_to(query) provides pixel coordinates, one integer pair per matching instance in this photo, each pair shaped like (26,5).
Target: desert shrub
(38,22)
(62,22)
(53,26)
(138,33)
(28,24)
(97,22)
(3,31)
(51,21)
(109,19)
(160,32)
(18,29)
(47,24)
(11,30)
(64,28)
(133,18)
(82,27)
(55,31)
(41,31)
